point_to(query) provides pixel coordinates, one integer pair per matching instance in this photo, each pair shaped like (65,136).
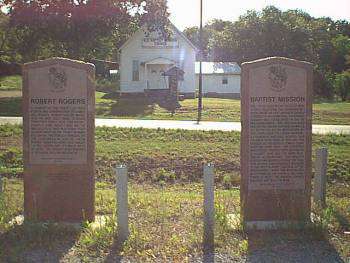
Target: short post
(0,184)
(122,202)
(208,180)
(320,176)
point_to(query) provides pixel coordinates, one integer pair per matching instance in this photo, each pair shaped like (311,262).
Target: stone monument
(58,140)
(276,115)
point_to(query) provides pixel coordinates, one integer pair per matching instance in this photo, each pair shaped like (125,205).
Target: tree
(4,31)
(342,85)
(271,32)
(213,27)
(192,34)
(323,83)
(8,39)
(341,48)
(78,29)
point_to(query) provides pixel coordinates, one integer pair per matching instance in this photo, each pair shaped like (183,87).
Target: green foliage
(323,84)
(8,130)
(11,202)
(12,157)
(341,46)
(272,32)
(227,181)
(11,106)
(11,162)
(331,113)
(165,223)
(171,156)
(107,85)
(163,176)
(342,85)
(99,235)
(221,216)
(4,212)
(165,217)
(6,37)
(214,109)
(75,29)
(11,83)
(211,31)
(322,219)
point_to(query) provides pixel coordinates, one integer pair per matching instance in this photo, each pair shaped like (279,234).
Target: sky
(185,13)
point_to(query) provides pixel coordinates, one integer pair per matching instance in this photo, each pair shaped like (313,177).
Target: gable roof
(177,31)
(173,71)
(218,68)
(183,36)
(160,60)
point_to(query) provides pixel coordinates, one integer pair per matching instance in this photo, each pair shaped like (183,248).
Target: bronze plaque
(276,140)
(58,103)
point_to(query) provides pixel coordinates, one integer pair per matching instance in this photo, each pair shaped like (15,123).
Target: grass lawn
(331,113)
(10,96)
(165,198)
(165,223)
(11,83)
(214,109)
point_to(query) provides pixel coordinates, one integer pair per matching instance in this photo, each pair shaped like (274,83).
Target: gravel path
(187,125)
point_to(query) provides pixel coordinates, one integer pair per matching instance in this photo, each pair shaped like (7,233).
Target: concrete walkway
(187,125)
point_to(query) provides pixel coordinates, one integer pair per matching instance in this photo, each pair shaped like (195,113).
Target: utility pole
(200,64)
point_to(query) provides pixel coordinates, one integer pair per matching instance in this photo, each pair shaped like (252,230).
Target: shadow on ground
(132,107)
(115,251)
(11,106)
(37,243)
(115,254)
(124,107)
(342,220)
(288,246)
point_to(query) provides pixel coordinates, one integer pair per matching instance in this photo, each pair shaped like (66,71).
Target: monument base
(100,221)
(275,225)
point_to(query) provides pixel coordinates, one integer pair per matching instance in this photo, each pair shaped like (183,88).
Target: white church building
(220,79)
(144,57)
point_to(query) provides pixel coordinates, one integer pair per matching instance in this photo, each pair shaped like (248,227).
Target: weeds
(12,83)
(322,218)
(165,196)
(171,156)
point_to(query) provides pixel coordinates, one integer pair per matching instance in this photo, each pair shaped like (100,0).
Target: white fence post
(208,180)
(122,202)
(320,176)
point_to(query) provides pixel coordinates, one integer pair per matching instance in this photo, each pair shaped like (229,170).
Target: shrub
(342,85)
(323,84)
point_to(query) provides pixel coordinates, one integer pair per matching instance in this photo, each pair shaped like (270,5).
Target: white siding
(213,83)
(184,55)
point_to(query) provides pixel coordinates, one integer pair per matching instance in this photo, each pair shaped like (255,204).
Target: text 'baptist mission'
(278,99)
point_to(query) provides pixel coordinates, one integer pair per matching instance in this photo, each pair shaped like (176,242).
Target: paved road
(187,125)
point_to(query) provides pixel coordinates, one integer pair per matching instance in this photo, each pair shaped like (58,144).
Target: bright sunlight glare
(185,13)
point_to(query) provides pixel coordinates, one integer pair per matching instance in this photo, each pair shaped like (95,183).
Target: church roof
(160,60)
(174,71)
(177,31)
